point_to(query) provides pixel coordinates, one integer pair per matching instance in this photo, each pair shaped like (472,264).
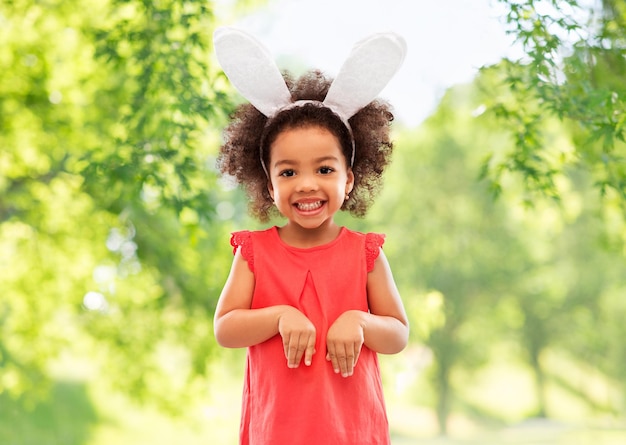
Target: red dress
(311,405)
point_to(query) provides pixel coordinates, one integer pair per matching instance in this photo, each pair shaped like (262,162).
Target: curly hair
(250,134)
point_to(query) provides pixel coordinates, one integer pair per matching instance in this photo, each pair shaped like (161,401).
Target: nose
(307,183)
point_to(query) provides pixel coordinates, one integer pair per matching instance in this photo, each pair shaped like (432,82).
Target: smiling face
(309,177)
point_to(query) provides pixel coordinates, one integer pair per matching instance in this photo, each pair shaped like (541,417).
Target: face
(309,178)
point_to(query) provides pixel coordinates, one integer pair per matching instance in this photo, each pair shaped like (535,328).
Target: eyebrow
(289,162)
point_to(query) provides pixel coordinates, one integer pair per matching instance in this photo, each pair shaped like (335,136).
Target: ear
(350,181)
(270,188)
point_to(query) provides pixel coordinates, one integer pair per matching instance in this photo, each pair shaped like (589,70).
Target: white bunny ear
(251,69)
(371,64)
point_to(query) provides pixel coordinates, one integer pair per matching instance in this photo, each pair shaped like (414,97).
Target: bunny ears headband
(252,71)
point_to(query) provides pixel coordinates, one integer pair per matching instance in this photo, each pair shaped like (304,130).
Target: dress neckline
(274,230)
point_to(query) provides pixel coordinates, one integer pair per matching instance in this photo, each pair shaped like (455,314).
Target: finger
(294,353)
(357,353)
(350,359)
(299,352)
(339,359)
(310,350)
(343,366)
(332,358)
(303,347)
(286,341)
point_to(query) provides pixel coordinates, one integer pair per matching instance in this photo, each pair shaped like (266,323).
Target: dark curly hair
(250,133)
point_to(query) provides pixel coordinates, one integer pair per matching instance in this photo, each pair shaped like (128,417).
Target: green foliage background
(109,121)
(504,213)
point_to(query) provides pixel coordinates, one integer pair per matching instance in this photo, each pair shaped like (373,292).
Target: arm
(384,329)
(236,325)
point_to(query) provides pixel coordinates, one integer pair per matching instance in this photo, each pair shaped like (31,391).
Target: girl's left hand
(344,341)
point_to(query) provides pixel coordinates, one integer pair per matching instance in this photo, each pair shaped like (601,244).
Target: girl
(312,301)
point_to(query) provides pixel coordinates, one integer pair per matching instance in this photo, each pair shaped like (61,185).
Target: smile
(309,206)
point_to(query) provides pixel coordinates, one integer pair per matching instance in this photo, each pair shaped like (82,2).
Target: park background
(504,210)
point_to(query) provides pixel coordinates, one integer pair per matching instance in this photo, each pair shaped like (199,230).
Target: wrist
(281,311)
(359,317)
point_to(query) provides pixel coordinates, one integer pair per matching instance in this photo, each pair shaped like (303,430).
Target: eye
(326,170)
(287,173)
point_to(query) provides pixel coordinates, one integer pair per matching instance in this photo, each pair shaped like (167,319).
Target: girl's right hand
(298,334)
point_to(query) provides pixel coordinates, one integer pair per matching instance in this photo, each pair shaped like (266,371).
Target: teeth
(308,206)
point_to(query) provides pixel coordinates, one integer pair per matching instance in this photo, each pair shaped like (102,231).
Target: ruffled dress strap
(373,243)
(243,239)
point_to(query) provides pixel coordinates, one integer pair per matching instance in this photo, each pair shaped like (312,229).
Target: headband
(253,72)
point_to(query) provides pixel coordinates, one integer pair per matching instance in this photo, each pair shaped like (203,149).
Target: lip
(309,206)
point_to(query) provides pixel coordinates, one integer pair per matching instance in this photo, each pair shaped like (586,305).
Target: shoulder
(371,239)
(239,239)
(371,242)
(245,240)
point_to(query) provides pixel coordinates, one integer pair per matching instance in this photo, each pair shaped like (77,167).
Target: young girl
(312,301)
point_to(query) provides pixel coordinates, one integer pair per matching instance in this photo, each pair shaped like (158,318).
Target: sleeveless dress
(311,405)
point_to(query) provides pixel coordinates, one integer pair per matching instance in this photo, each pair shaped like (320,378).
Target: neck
(298,236)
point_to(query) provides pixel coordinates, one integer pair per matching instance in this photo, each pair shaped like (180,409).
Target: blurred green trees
(114,227)
(490,280)
(541,268)
(109,115)
(572,68)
